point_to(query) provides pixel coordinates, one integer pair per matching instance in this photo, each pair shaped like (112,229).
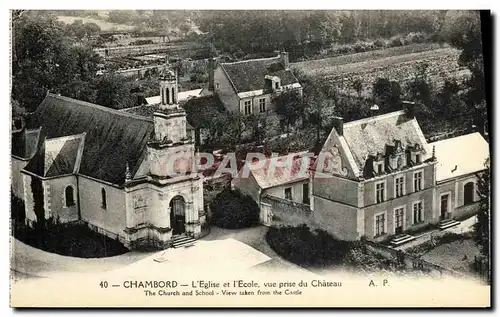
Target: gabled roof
(267,178)
(459,156)
(113,138)
(370,136)
(25,142)
(58,156)
(249,75)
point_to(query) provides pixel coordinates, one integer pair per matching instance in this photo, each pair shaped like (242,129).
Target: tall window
(305,193)
(104,204)
(288,193)
(380,189)
(469,193)
(399,216)
(379,224)
(276,85)
(418,160)
(399,186)
(262,104)
(69,196)
(380,168)
(417,181)
(418,212)
(247,107)
(217,86)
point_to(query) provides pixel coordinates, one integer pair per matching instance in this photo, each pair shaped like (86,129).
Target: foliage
(69,239)
(387,94)
(482,228)
(306,33)
(289,104)
(234,210)
(80,30)
(112,92)
(304,246)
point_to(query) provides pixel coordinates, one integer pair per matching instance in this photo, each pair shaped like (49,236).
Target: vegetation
(46,59)
(234,210)
(482,228)
(65,239)
(307,247)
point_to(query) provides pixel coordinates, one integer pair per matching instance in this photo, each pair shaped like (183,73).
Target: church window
(69,196)
(104,203)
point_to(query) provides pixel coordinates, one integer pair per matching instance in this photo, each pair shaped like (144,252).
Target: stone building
(131,177)
(382,179)
(248,86)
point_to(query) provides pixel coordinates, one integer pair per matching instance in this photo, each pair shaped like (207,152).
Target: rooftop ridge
(374,118)
(252,60)
(101,108)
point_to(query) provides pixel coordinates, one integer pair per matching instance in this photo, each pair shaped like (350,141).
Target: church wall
(55,199)
(113,218)
(17,185)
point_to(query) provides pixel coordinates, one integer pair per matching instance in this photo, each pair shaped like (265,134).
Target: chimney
(211,70)
(338,124)
(409,107)
(284,60)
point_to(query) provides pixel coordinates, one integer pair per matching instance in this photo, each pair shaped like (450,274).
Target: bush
(234,210)
(304,246)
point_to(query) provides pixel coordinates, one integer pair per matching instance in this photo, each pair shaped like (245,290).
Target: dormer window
(380,167)
(276,85)
(418,160)
(399,162)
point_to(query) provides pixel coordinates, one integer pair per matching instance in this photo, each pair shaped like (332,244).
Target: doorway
(445,203)
(177,215)
(399,215)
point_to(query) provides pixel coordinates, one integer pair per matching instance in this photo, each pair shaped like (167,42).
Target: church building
(129,176)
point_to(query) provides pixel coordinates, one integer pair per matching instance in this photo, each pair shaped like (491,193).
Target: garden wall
(287,212)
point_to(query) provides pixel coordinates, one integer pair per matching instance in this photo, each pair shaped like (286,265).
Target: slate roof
(113,138)
(281,175)
(370,136)
(459,156)
(249,75)
(25,143)
(58,156)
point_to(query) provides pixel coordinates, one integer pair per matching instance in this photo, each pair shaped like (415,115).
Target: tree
(47,60)
(419,89)
(233,210)
(357,85)
(387,93)
(483,225)
(289,104)
(462,29)
(112,92)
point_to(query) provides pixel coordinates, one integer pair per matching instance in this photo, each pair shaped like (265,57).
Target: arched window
(69,196)
(469,193)
(104,204)
(168,97)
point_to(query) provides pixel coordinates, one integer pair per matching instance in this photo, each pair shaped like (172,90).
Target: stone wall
(288,213)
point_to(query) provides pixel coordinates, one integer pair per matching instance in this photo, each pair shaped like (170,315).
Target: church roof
(58,156)
(112,138)
(370,136)
(249,75)
(25,143)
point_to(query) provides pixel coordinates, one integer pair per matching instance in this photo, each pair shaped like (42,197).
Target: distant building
(111,169)
(248,86)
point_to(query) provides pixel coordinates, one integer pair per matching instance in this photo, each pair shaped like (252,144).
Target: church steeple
(168,87)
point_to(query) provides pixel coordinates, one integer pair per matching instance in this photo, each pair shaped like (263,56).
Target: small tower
(168,88)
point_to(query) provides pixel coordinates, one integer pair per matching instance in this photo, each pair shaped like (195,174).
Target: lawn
(455,255)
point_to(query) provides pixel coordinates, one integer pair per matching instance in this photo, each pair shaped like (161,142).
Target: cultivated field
(397,63)
(104,25)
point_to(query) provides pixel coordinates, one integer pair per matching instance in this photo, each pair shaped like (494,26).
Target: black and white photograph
(250,158)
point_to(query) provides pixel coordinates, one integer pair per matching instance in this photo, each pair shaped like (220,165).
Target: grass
(455,255)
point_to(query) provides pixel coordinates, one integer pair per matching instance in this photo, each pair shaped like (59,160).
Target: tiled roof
(459,156)
(58,156)
(249,75)
(113,138)
(370,136)
(281,175)
(25,143)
